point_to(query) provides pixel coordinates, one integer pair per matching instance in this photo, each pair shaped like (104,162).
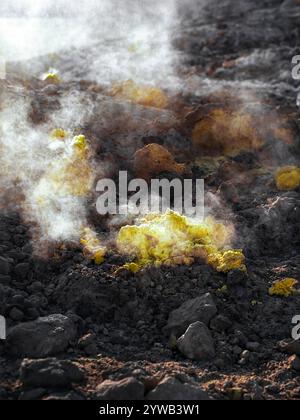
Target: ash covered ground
(77,330)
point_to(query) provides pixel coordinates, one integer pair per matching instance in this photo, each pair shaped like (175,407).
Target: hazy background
(106,41)
(109,39)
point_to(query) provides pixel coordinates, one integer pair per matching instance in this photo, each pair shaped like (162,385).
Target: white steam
(31,162)
(105,41)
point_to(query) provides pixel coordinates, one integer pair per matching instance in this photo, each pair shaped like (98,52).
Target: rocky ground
(77,331)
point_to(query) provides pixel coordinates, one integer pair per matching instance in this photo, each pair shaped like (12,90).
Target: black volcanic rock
(201,309)
(50,373)
(44,337)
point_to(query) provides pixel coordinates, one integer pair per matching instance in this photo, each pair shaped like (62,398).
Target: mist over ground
(163,306)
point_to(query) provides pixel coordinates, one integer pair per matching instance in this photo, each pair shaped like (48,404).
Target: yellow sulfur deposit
(142,95)
(227,261)
(283,288)
(72,174)
(92,247)
(172,239)
(288,178)
(80,142)
(51,78)
(132,267)
(59,134)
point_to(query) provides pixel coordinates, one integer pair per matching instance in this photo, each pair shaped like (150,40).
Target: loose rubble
(81,331)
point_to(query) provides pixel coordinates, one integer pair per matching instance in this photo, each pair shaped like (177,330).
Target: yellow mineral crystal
(71,173)
(283,287)
(92,247)
(80,142)
(51,78)
(173,239)
(227,261)
(154,159)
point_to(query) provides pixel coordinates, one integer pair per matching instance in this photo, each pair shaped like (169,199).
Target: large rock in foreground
(44,337)
(129,389)
(171,389)
(201,309)
(197,343)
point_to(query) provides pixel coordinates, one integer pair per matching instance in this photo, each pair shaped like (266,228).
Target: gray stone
(88,344)
(197,343)
(50,373)
(245,355)
(129,389)
(171,389)
(201,309)
(43,337)
(237,351)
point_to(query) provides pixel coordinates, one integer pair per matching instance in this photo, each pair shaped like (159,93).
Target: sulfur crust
(92,247)
(284,288)
(73,173)
(172,239)
(51,78)
(59,134)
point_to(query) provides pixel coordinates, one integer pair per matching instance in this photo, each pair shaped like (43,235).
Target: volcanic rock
(290,347)
(88,344)
(128,389)
(4,266)
(22,270)
(65,396)
(278,224)
(197,343)
(5,280)
(201,309)
(288,4)
(51,373)
(41,338)
(32,394)
(244,71)
(85,296)
(253,347)
(171,389)
(237,278)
